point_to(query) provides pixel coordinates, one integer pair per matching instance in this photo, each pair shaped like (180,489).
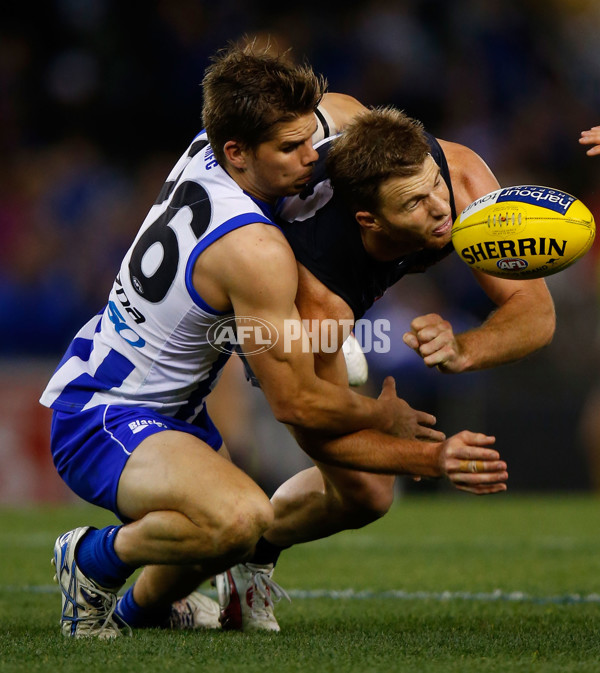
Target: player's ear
(367,220)
(235,154)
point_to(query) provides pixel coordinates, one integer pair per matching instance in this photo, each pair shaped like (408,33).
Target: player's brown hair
(378,144)
(248,90)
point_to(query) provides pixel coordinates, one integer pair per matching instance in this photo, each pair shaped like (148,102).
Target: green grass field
(446,583)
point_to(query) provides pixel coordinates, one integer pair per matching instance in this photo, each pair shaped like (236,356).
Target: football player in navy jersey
(396,191)
(130,431)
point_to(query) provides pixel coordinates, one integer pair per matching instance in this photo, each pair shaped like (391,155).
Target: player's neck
(241,179)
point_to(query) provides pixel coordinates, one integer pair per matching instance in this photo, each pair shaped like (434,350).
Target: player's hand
(406,422)
(471,466)
(433,339)
(591,137)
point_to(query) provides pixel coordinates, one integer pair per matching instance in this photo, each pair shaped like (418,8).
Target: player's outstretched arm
(524,319)
(591,137)
(523,322)
(406,454)
(465,459)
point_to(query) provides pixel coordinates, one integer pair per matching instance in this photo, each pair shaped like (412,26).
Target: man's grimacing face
(415,211)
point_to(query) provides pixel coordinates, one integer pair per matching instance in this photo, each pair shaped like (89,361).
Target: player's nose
(440,206)
(311,155)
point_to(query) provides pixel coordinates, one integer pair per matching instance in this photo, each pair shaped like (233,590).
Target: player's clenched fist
(433,339)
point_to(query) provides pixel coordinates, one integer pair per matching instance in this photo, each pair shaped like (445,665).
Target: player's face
(415,211)
(283,165)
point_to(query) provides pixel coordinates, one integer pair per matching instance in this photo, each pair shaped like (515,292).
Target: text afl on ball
(523,232)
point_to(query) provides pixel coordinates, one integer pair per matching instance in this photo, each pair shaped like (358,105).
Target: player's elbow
(293,414)
(546,324)
(536,313)
(288,413)
(295,410)
(550,328)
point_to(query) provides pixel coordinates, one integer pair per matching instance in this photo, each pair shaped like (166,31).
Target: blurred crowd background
(98,98)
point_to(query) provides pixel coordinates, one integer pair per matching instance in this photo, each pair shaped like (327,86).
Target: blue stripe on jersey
(193,406)
(78,348)
(81,347)
(234,223)
(115,368)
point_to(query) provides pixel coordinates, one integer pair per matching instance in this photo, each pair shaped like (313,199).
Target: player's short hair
(249,89)
(378,144)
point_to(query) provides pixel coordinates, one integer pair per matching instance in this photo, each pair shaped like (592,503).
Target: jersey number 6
(154,287)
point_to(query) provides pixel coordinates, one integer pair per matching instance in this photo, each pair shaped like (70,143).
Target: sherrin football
(523,232)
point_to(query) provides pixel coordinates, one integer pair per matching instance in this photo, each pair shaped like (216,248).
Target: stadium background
(99,97)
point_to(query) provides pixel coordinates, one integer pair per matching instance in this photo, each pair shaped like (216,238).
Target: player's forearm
(372,451)
(329,409)
(516,329)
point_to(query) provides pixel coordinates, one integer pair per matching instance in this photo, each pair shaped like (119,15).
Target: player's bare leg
(211,516)
(311,505)
(325,500)
(194,514)
(190,505)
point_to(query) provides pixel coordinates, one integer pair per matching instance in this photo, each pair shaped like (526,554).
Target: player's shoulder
(252,260)
(471,176)
(259,264)
(253,245)
(460,158)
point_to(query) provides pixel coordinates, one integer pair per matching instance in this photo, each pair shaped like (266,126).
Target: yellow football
(523,232)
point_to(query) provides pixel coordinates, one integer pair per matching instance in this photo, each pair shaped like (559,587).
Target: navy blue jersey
(326,239)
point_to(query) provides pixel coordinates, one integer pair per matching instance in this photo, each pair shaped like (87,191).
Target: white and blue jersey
(149,347)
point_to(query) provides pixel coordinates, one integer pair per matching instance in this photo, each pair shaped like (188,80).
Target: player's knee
(368,501)
(243,524)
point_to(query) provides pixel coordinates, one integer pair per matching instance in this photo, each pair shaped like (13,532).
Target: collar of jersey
(268,209)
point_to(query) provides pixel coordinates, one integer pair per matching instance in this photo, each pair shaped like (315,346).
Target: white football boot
(356,362)
(196,611)
(87,608)
(247,596)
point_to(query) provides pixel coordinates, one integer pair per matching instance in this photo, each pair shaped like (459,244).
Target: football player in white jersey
(130,430)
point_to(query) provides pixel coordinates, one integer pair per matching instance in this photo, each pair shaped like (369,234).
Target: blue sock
(97,559)
(137,617)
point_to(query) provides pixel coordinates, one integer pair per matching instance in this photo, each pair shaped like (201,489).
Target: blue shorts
(90,448)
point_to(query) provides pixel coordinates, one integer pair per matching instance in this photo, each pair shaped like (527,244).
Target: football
(523,232)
